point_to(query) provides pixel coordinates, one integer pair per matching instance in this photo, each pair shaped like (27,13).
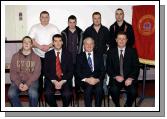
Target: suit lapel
(54,60)
(117,58)
(62,59)
(125,56)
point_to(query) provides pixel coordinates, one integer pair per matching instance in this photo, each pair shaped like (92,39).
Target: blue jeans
(14,92)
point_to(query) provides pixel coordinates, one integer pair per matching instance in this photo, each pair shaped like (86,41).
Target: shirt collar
(89,52)
(44,26)
(58,51)
(121,49)
(123,24)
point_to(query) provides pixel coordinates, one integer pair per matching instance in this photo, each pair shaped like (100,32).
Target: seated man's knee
(66,94)
(114,89)
(12,92)
(32,92)
(132,92)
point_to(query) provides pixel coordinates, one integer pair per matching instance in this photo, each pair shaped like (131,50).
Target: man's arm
(135,65)
(131,36)
(79,72)
(110,66)
(14,75)
(47,69)
(67,76)
(36,45)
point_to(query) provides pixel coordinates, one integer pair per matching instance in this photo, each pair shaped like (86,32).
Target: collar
(58,51)
(121,25)
(89,52)
(121,49)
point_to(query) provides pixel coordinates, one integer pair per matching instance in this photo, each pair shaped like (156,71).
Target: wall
(15,28)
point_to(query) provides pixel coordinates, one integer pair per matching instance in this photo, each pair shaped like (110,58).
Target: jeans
(14,92)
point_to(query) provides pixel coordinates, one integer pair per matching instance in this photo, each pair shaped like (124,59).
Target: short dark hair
(96,13)
(121,33)
(28,38)
(72,17)
(120,9)
(57,36)
(44,12)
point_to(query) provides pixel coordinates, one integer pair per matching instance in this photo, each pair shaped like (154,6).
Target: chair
(122,91)
(58,94)
(80,92)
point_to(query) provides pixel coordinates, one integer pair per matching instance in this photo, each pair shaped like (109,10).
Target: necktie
(58,67)
(90,62)
(121,62)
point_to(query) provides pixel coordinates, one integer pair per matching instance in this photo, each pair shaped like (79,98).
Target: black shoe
(125,105)
(117,105)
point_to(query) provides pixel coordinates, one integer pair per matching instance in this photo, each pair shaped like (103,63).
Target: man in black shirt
(99,33)
(121,25)
(72,41)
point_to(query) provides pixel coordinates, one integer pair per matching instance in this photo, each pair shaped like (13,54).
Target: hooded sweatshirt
(25,68)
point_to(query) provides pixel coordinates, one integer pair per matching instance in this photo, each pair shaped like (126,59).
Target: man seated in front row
(58,72)
(122,68)
(24,73)
(90,70)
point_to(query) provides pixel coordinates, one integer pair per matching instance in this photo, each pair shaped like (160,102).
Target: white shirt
(43,36)
(59,54)
(119,51)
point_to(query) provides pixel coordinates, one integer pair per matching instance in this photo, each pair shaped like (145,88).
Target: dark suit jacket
(83,70)
(130,63)
(66,64)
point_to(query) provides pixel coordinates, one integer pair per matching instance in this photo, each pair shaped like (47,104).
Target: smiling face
(27,44)
(88,44)
(121,40)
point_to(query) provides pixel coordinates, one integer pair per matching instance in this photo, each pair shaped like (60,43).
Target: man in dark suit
(90,70)
(58,73)
(123,70)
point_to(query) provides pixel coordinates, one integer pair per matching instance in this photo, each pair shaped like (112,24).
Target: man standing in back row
(99,33)
(42,40)
(72,41)
(121,25)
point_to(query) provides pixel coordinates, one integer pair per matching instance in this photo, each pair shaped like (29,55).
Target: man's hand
(23,87)
(92,80)
(128,82)
(58,84)
(119,78)
(45,48)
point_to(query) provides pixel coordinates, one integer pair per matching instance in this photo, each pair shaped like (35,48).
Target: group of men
(58,57)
